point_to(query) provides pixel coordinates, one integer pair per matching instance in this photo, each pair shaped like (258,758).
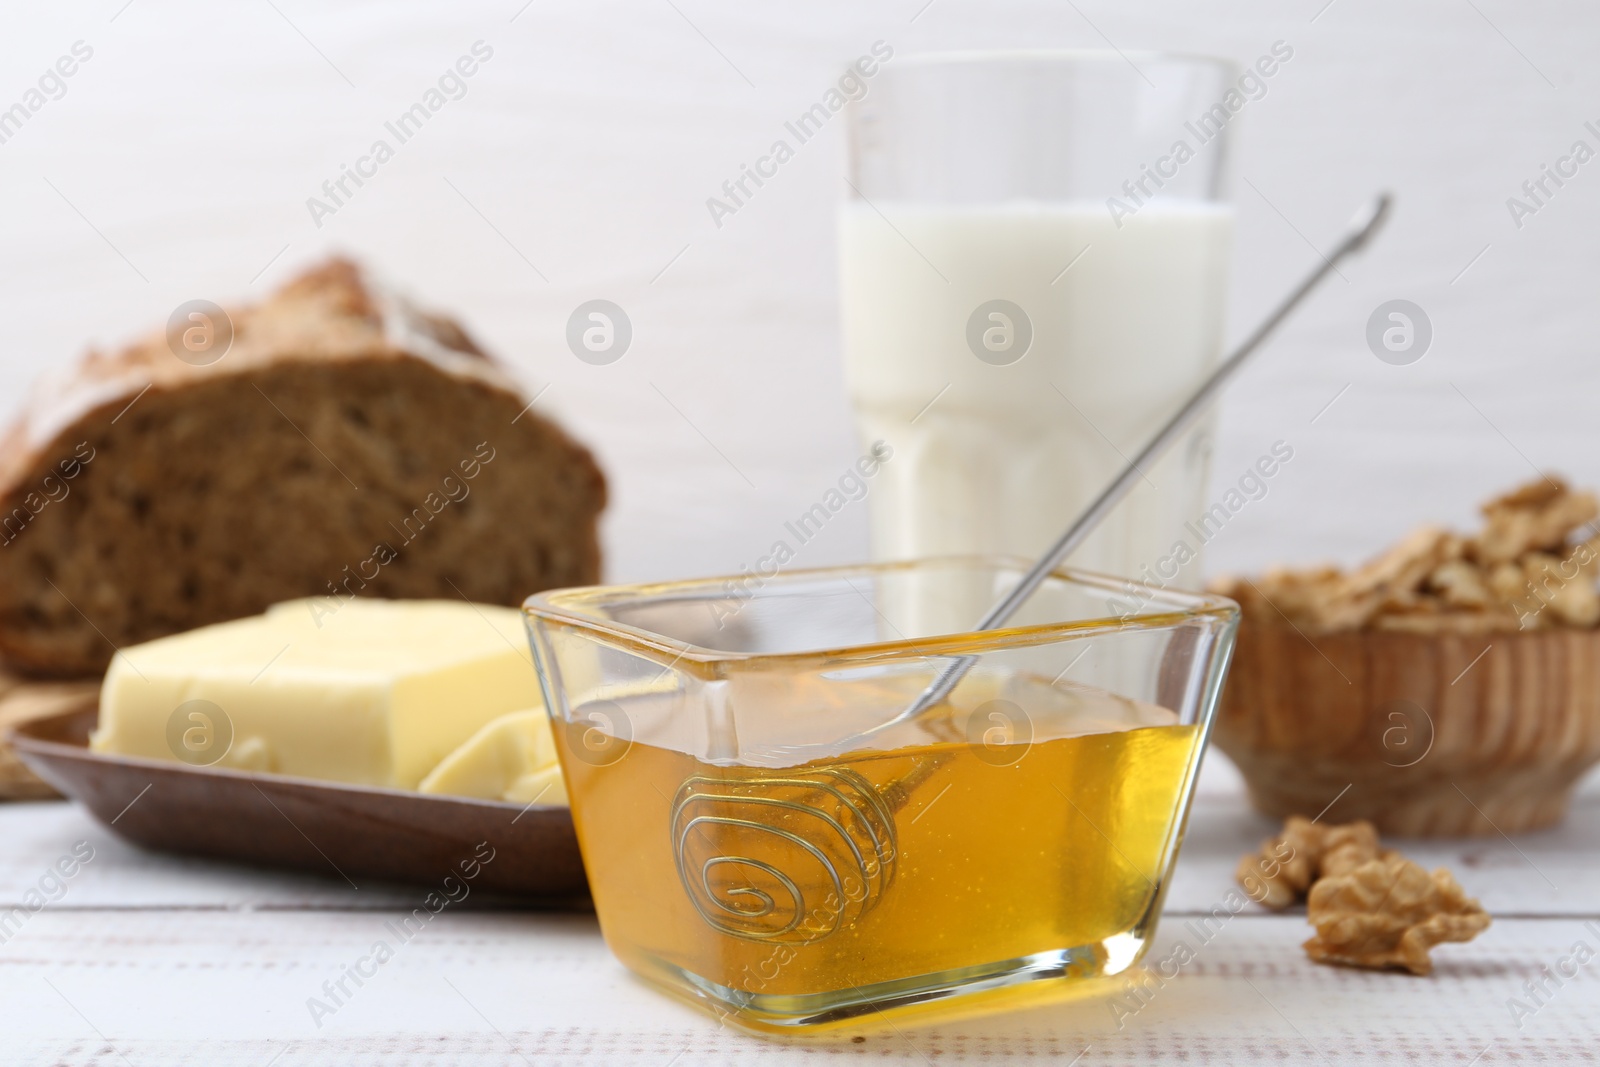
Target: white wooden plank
(229,985)
(219,988)
(1549,873)
(38,833)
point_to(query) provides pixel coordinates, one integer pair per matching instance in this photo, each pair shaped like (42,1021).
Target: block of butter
(375,693)
(512,758)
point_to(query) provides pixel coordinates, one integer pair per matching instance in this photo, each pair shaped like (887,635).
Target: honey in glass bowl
(749,848)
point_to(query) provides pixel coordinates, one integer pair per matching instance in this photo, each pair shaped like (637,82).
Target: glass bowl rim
(555,606)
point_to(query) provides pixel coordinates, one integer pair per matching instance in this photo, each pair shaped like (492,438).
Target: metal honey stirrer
(1363,225)
(836,828)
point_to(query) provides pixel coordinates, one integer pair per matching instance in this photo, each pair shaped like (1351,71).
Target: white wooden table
(147,960)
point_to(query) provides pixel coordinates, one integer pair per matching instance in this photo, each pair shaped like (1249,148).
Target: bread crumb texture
(344,446)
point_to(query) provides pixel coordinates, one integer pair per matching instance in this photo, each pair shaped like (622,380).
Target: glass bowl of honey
(768,832)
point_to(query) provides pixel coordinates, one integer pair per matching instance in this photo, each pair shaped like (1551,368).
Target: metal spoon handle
(1363,225)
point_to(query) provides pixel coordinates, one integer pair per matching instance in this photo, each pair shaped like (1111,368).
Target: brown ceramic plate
(343,831)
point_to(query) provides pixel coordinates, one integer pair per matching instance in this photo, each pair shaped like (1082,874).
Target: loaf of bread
(344,444)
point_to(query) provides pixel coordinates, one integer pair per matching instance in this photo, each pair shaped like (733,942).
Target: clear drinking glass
(1033,268)
(764,838)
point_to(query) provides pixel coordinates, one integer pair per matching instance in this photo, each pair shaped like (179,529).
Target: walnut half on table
(1371,906)
(1387,913)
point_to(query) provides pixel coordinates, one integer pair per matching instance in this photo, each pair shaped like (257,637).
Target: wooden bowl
(1435,735)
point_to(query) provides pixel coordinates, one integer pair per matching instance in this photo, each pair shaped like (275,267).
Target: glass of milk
(1033,263)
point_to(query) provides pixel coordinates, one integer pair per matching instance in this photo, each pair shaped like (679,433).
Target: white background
(585,149)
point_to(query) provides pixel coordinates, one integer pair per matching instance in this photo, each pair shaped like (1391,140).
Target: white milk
(1008,455)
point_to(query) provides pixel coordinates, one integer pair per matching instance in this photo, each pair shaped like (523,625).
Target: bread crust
(392,392)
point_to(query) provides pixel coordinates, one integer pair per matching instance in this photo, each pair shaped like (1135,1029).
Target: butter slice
(376,692)
(512,758)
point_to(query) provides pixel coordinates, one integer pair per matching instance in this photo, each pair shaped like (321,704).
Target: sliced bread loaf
(344,445)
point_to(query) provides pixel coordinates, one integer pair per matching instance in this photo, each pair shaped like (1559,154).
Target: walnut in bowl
(1452,684)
